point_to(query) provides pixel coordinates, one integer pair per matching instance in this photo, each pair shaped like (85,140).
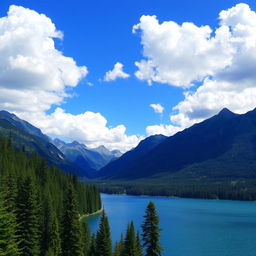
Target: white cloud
(34,77)
(166,130)
(116,73)
(223,61)
(89,128)
(33,73)
(179,54)
(158,108)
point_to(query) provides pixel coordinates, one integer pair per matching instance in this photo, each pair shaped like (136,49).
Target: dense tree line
(40,207)
(233,189)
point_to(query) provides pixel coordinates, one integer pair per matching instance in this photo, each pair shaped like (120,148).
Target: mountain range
(221,146)
(214,159)
(72,157)
(84,157)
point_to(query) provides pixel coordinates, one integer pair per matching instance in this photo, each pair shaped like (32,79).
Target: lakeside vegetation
(133,243)
(40,208)
(228,189)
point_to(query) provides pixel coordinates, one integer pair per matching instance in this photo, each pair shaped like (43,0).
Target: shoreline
(90,214)
(178,197)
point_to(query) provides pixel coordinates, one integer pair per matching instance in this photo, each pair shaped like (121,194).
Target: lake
(190,227)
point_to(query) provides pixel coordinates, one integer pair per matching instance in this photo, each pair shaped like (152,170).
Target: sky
(114,72)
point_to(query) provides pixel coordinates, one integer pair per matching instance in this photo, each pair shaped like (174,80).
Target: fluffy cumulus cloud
(89,128)
(158,108)
(116,73)
(223,61)
(180,54)
(33,73)
(34,76)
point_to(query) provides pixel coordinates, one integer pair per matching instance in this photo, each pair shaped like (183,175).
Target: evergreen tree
(47,226)
(139,251)
(103,239)
(86,238)
(32,203)
(9,188)
(151,231)
(92,250)
(119,247)
(28,219)
(8,241)
(130,241)
(71,235)
(54,245)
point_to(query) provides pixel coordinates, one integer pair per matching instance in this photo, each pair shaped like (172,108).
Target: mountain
(24,135)
(126,161)
(22,124)
(84,157)
(223,146)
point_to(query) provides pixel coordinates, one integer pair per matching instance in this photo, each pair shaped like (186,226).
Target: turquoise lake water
(190,227)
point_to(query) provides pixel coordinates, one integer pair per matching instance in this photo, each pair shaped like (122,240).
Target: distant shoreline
(177,197)
(142,195)
(90,214)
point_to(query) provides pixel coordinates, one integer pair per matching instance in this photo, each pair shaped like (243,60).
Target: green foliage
(93,246)
(139,250)
(130,246)
(119,247)
(86,238)
(203,187)
(151,231)
(28,230)
(213,159)
(54,244)
(32,204)
(8,239)
(71,234)
(103,238)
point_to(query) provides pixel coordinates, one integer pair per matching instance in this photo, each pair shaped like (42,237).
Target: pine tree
(85,238)
(130,241)
(103,238)
(32,201)
(47,225)
(9,188)
(151,231)
(28,219)
(8,241)
(54,245)
(71,235)
(119,247)
(139,251)
(92,250)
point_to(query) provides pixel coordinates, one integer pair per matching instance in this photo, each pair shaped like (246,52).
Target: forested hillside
(212,159)
(40,206)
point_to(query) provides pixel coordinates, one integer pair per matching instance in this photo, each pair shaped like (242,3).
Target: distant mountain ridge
(72,157)
(126,161)
(221,146)
(82,156)
(25,135)
(22,124)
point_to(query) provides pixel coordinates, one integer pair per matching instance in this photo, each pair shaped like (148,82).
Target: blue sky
(98,34)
